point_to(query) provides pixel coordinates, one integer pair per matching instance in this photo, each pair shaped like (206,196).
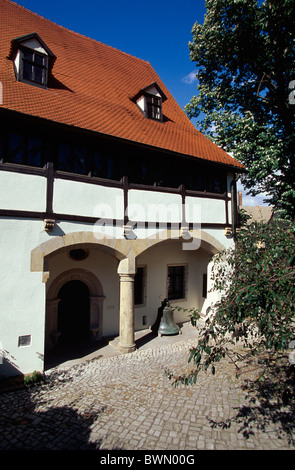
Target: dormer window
(33,67)
(149,100)
(153,107)
(33,60)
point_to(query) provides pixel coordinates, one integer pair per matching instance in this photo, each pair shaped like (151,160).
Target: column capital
(126,277)
(127,266)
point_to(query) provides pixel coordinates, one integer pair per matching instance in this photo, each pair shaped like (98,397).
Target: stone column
(126,272)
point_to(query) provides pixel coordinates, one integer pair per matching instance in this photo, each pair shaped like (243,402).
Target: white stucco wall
(22,297)
(205,210)
(148,206)
(72,197)
(22,192)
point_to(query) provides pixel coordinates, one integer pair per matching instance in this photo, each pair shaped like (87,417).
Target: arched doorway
(78,291)
(73,313)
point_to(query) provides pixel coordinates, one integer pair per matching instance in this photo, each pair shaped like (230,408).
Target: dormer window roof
(33,60)
(149,100)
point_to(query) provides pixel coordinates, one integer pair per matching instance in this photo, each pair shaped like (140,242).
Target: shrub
(258,302)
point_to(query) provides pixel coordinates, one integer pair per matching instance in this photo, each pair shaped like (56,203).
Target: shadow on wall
(10,374)
(8,366)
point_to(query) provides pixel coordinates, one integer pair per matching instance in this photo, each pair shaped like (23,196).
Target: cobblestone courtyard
(127,402)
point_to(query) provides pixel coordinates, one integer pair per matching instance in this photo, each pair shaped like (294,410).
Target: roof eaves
(18,41)
(144,90)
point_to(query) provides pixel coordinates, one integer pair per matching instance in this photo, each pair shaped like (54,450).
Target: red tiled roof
(97,85)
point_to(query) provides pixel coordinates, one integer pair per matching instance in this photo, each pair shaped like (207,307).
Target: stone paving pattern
(127,402)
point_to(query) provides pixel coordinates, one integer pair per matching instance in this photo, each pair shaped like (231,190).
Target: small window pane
(28,71)
(139,287)
(143,171)
(16,148)
(34,151)
(97,164)
(176,282)
(39,75)
(1,147)
(79,158)
(109,168)
(64,158)
(154,106)
(104,166)
(39,59)
(28,55)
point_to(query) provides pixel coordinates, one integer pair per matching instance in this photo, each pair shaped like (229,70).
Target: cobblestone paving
(127,402)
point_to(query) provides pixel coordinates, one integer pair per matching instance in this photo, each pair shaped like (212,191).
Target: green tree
(245,59)
(257,308)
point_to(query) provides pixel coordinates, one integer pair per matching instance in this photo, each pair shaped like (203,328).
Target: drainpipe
(234,208)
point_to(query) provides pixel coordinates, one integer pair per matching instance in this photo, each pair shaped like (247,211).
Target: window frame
(153,107)
(143,287)
(184,281)
(205,286)
(25,147)
(34,65)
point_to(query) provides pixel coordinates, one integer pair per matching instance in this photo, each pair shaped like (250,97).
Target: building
(256,213)
(110,199)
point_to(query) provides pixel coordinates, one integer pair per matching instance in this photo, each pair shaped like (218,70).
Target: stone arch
(116,247)
(76,274)
(122,249)
(125,251)
(206,241)
(96,298)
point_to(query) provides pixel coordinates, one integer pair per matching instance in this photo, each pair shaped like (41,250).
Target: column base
(126,349)
(115,343)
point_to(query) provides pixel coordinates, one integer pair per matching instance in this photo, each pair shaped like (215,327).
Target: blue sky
(156,31)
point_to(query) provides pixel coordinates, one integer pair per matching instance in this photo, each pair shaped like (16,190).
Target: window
(25,150)
(203,179)
(176,282)
(72,158)
(33,60)
(149,100)
(139,286)
(205,281)
(33,66)
(25,340)
(105,166)
(153,107)
(142,171)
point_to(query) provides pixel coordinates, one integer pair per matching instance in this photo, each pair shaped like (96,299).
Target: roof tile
(93,89)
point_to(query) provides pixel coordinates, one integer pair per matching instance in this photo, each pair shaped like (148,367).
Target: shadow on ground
(63,353)
(270,403)
(23,427)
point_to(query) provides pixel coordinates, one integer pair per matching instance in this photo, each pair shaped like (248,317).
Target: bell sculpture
(167,324)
